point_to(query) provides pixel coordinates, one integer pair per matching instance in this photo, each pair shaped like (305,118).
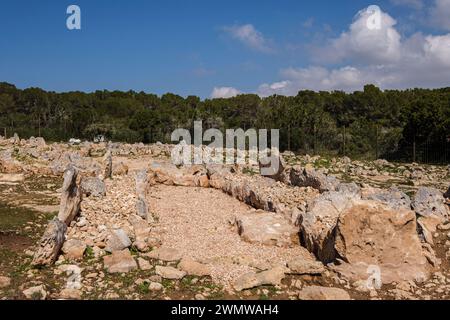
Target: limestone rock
(305,266)
(93,186)
(430,201)
(165,254)
(246,281)
(193,267)
(373,234)
(323,293)
(141,233)
(428,226)
(155,286)
(118,240)
(141,181)
(35,293)
(170,273)
(267,228)
(250,280)
(309,177)
(74,249)
(70,196)
(144,264)
(119,262)
(107,164)
(392,197)
(350,189)
(317,224)
(119,169)
(50,243)
(142,208)
(70,294)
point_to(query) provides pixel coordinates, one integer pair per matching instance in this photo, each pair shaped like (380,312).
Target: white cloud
(440,14)
(380,57)
(364,44)
(249,36)
(224,92)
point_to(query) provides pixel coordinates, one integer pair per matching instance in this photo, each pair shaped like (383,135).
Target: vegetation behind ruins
(410,125)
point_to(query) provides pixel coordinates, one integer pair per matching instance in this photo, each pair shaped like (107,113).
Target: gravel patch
(196,221)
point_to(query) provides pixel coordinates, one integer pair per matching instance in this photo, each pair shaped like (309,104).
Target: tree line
(366,124)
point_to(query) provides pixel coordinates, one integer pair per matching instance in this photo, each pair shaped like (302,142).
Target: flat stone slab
(165,254)
(120,262)
(323,293)
(267,228)
(170,273)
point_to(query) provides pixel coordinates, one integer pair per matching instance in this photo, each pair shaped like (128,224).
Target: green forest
(409,125)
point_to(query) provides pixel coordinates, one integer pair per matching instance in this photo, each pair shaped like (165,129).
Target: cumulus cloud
(366,55)
(440,14)
(224,92)
(249,36)
(363,42)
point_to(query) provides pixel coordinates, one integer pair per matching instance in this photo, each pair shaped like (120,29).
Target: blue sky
(192,47)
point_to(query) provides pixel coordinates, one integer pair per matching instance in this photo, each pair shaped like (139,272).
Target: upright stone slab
(70,196)
(50,243)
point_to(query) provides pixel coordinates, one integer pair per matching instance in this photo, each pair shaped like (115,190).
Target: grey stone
(118,240)
(309,177)
(430,201)
(392,197)
(93,186)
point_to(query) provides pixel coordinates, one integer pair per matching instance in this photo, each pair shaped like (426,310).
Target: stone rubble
(134,199)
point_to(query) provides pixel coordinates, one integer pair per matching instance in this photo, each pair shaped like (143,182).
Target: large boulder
(309,177)
(318,223)
(430,201)
(50,243)
(372,234)
(267,228)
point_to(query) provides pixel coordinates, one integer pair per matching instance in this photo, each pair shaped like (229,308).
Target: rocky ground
(127,224)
